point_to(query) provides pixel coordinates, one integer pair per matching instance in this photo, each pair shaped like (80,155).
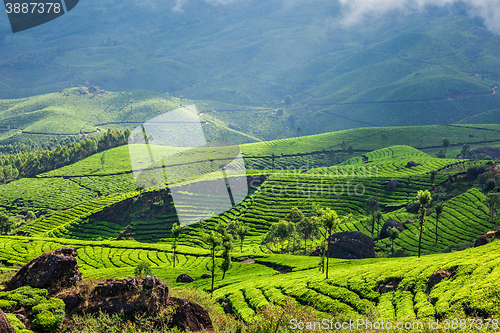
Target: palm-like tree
(241,231)
(393,234)
(424,197)
(330,221)
(213,241)
(176,232)
(439,210)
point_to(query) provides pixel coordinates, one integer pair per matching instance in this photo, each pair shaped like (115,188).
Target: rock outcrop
(486,238)
(50,271)
(130,296)
(390,224)
(437,277)
(392,184)
(5,326)
(349,245)
(190,316)
(184,278)
(411,164)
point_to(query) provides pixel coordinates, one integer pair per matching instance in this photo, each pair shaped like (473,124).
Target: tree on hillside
(227,246)
(30,216)
(493,204)
(350,150)
(295,215)
(176,232)
(446,144)
(273,158)
(371,207)
(278,236)
(441,154)
(439,210)
(241,231)
(424,198)
(143,267)
(465,150)
(103,159)
(299,130)
(378,218)
(308,229)
(433,175)
(6,224)
(393,234)
(213,241)
(288,100)
(330,221)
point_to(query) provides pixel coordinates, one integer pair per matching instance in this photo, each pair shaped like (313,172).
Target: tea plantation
(89,205)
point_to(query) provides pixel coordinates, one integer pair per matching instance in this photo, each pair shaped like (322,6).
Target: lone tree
(288,100)
(241,231)
(393,234)
(493,204)
(213,241)
(378,218)
(439,210)
(424,198)
(465,150)
(273,158)
(143,267)
(371,207)
(227,246)
(103,159)
(176,232)
(6,224)
(330,220)
(446,144)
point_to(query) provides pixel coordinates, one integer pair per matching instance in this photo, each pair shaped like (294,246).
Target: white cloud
(355,11)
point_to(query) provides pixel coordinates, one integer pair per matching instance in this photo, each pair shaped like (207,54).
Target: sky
(355,11)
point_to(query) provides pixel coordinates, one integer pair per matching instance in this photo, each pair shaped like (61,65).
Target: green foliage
(17,324)
(143,268)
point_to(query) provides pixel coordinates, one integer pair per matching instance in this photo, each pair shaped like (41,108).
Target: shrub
(401,253)
(17,324)
(6,304)
(47,321)
(457,247)
(143,267)
(49,315)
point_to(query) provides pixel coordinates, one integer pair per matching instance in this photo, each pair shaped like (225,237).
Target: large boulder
(437,277)
(189,316)
(390,224)
(130,296)
(5,326)
(392,184)
(184,278)
(349,245)
(486,238)
(50,271)
(411,164)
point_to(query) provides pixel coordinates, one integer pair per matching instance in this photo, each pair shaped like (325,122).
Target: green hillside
(350,292)
(433,67)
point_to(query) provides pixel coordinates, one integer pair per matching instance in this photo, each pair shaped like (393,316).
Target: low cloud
(356,11)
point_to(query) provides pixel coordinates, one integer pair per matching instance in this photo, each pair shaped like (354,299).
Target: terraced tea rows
(464,219)
(351,291)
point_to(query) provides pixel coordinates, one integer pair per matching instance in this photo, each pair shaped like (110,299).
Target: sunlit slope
(351,290)
(70,112)
(438,66)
